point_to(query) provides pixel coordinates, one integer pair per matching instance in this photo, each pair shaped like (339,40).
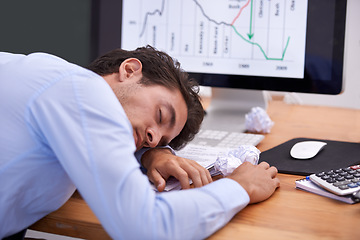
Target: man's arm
(95,146)
(259,181)
(161,163)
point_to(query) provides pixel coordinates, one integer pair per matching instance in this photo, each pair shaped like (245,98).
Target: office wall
(60,27)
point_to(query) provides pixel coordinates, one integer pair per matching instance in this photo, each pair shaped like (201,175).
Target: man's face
(156,113)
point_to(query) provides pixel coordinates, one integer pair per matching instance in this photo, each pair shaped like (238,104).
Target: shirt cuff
(138,154)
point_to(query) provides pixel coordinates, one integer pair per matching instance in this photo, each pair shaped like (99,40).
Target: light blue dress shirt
(61,128)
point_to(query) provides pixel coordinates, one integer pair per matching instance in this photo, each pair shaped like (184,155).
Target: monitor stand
(229,106)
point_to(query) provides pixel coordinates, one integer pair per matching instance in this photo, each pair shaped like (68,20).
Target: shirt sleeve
(6,57)
(86,128)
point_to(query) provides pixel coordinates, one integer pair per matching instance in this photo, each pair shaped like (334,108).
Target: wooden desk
(288,214)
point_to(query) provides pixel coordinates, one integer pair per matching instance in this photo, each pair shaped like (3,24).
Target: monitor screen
(252,38)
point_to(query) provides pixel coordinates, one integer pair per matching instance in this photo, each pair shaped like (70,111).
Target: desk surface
(288,214)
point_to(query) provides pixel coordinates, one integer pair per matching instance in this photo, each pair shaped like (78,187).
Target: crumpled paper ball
(258,121)
(227,162)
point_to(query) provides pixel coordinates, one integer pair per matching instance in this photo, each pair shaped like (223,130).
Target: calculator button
(341,183)
(355,167)
(340,178)
(352,185)
(331,180)
(326,177)
(343,187)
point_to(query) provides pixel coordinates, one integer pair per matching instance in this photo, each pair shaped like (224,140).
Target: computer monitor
(238,47)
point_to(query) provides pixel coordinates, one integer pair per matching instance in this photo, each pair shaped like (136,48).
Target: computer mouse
(306,149)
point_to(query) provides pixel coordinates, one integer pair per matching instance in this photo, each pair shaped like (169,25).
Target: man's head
(148,84)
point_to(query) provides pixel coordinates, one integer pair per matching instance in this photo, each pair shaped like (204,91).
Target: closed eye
(160,116)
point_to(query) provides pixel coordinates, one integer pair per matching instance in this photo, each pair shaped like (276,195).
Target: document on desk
(204,155)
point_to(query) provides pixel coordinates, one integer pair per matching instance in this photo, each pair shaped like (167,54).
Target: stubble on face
(124,92)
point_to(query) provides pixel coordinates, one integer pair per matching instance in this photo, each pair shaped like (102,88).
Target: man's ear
(130,68)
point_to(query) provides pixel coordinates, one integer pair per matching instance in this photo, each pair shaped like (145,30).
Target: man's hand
(161,164)
(259,181)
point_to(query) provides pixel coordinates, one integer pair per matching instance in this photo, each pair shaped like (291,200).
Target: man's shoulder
(49,60)
(54,65)
(8,57)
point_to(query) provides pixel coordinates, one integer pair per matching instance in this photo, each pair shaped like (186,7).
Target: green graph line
(250,34)
(261,49)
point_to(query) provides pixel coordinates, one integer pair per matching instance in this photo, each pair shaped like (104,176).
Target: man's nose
(152,137)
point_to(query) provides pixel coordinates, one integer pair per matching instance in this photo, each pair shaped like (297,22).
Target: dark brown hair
(158,68)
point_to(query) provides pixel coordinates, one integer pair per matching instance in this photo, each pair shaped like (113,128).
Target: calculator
(342,181)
